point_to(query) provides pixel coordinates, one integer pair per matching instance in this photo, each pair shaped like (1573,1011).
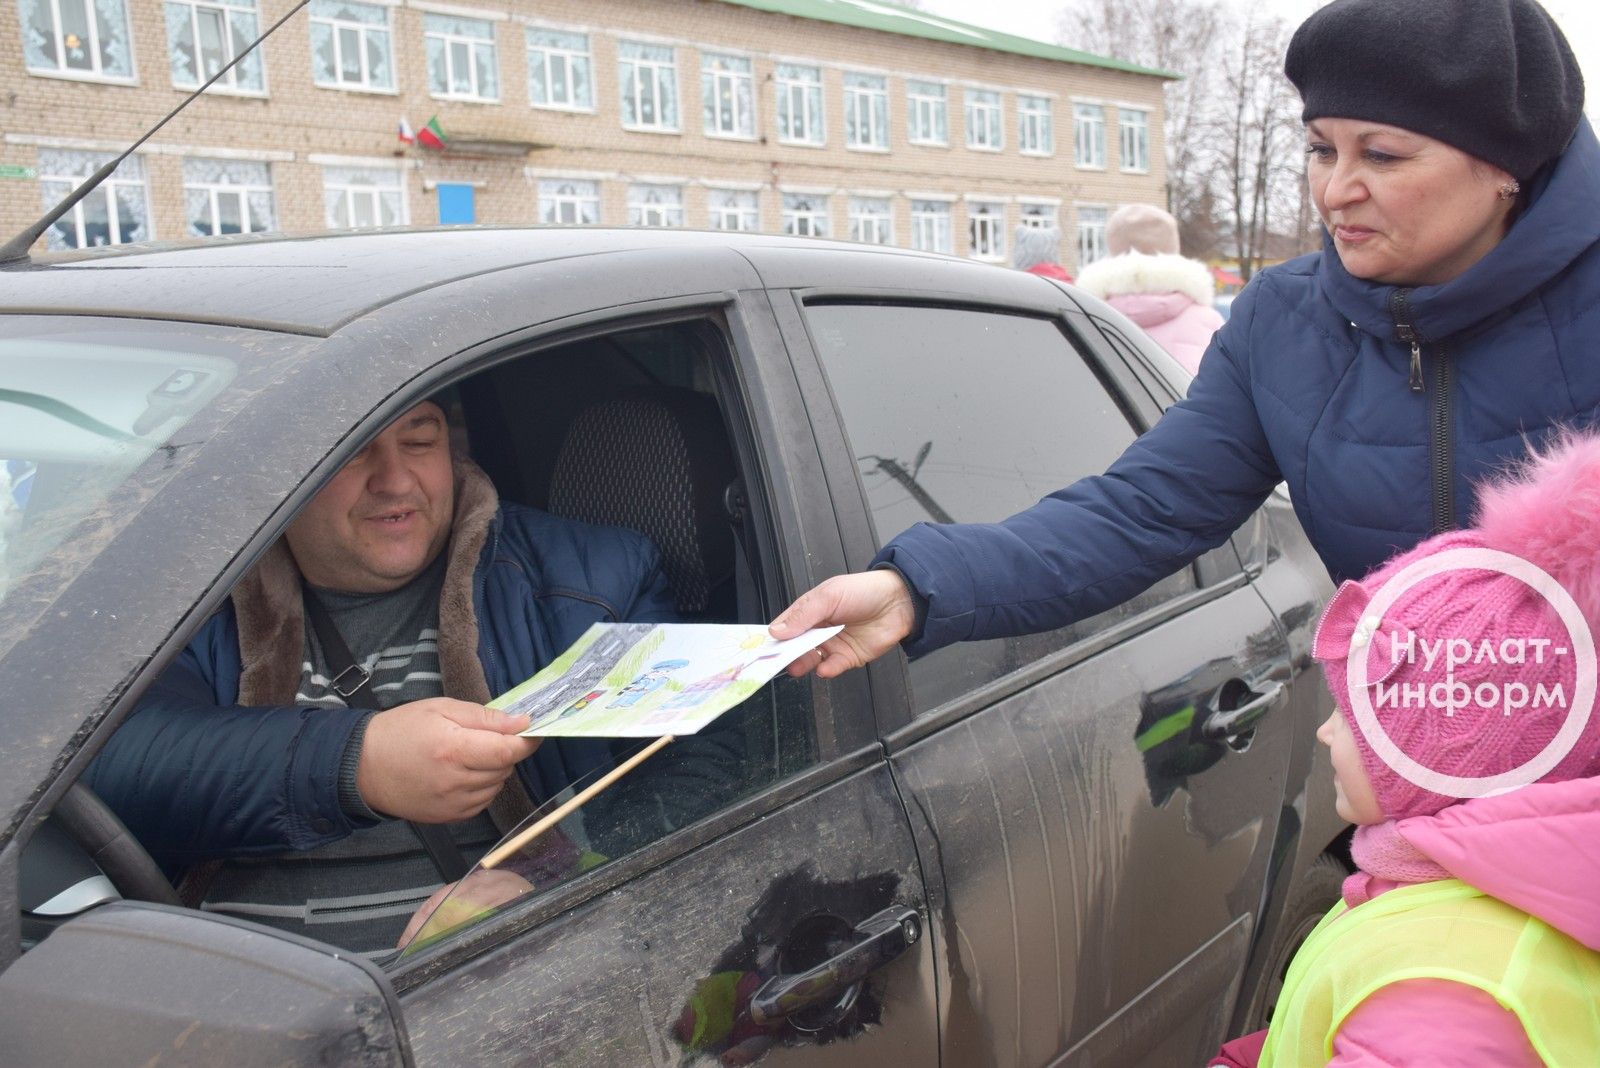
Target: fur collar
(1134,272)
(271,614)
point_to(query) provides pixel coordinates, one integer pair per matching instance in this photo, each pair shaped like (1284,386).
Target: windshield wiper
(17,248)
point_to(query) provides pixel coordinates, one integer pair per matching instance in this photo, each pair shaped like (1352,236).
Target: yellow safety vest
(1439,930)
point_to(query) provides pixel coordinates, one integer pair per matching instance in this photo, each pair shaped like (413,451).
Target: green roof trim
(892,18)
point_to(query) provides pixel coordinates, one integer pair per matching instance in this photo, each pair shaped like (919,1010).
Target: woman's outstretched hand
(875,608)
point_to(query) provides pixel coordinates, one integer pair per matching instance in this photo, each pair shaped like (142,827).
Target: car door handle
(1231,724)
(882,938)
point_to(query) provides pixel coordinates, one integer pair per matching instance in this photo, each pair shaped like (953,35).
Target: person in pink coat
(1470,935)
(1145,279)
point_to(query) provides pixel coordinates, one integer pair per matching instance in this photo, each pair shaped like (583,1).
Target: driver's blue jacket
(196,776)
(1311,382)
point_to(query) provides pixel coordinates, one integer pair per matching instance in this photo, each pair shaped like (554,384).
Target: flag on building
(432,135)
(406,135)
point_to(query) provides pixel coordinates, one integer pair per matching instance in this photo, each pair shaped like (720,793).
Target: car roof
(315,284)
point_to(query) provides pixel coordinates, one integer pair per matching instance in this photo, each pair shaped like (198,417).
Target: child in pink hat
(1464,747)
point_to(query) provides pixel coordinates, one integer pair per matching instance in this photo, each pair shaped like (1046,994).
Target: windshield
(79,415)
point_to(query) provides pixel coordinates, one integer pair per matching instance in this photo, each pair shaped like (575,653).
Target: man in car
(257,766)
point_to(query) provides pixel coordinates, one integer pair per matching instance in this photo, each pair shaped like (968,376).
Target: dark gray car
(1092,846)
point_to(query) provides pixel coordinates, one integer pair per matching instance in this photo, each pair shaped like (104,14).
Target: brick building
(827,117)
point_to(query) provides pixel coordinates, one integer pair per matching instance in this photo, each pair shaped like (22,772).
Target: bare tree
(1261,161)
(1180,36)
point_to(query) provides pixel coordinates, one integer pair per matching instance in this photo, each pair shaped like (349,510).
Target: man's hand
(454,904)
(439,760)
(875,608)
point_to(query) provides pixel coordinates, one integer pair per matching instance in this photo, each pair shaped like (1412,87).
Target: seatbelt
(351,681)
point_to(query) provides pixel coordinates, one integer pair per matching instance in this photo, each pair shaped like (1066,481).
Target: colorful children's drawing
(622,680)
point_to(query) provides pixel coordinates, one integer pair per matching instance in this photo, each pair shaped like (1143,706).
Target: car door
(668,952)
(1095,807)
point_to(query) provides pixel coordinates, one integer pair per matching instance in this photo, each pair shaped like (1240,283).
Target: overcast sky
(1579,19)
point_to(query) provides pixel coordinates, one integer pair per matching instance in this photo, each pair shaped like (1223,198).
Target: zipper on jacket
(1441,451)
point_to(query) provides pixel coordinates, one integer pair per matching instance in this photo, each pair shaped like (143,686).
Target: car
(1097,845)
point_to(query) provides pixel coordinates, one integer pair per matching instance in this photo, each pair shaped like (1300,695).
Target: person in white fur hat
(1145,279)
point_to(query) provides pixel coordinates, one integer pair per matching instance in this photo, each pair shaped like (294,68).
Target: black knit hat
(1494,78)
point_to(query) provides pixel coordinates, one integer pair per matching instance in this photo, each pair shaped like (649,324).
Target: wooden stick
(501,852)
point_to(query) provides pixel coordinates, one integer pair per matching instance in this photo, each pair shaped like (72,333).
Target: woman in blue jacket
(1451,319)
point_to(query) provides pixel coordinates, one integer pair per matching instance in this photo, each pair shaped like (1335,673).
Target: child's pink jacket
(1537,849)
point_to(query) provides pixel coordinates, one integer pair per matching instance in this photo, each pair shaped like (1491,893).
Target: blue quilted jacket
(1381,408)
(195,777)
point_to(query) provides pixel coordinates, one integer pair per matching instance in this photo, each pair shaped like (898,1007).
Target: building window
(927,120)
(649,78)
(1134,131)
(116,212)
(983,120)
(461,60)
(986,229)
(655,205)
(558,70)
(800,105)
(805,214)
(930,226)
(81,37)
(866,111)
(1035,137)
(733,209)
(205,37)
(363,196)
(727,96)
(1091,235)
(870,221)
(566,202)
(1089,127)
(227,196)
(1039,216)
(352,46)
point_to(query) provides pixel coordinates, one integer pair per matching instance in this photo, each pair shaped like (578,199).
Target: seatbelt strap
(353,683)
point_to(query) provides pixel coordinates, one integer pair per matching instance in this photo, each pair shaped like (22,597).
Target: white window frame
(350,192)
(743,210)
(861,103)
(96,71)
(472,43)
(224,10)
(1133,132)
(874,226)
(986,230)
(1040,216)
(215,191)
(567,59)
(985,115)
(931,227)
(806,221)
(338,27)
(923,110)
(107,190)
(566,197)
(800,87)
(663,78)
(1035,126)
(642,211)
(1091,234)
(741,119)
(1089,136)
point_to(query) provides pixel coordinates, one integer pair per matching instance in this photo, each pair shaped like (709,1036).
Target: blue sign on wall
(455,203)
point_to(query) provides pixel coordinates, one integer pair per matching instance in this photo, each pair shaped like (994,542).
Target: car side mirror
(133,983)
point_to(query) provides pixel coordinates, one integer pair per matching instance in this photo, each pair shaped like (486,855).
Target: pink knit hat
(1470,672)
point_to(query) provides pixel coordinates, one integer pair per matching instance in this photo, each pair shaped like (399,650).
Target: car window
(625,428)
(968,416)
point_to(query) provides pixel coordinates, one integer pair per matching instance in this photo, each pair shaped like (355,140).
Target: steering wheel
(98,831)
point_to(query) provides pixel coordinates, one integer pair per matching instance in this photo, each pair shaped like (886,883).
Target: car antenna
(17,248)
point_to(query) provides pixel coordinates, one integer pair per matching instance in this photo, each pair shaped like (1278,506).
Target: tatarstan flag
(432,135)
